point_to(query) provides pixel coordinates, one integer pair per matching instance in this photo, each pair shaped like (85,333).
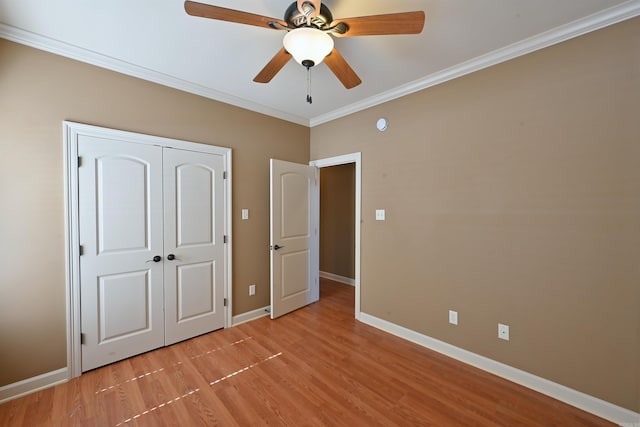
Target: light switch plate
(245,213)
(453,317)
(379,214)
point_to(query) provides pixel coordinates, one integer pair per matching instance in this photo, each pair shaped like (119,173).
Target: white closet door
(193,244)
(120,224)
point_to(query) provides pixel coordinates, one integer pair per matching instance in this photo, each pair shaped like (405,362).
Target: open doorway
(337,227)
(340,214)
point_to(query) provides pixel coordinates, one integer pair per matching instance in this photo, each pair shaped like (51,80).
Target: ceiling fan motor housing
(295,18)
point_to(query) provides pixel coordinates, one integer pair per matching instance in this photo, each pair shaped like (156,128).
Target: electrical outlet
(252,290)
(453,317)
(503,332)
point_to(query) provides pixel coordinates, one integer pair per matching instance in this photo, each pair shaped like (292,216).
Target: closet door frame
(71,132)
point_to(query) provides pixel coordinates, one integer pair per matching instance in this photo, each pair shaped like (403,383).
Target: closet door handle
(156,258)
(171,257)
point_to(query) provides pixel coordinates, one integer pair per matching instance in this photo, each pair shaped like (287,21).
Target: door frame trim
(70,133)
(343,160)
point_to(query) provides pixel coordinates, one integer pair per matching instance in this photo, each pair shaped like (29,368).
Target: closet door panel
(194,244)
(120,222)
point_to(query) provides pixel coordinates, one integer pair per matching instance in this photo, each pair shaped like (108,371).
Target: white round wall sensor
(382,124)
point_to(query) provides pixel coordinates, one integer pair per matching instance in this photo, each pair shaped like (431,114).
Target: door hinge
(79,161)
(81,250)
(225,302)
(224,239)
(82,338)
(224,174)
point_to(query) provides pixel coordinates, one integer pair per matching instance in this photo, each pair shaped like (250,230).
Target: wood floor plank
(317,366)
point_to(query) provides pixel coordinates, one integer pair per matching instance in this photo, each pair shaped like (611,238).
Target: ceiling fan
(309,24)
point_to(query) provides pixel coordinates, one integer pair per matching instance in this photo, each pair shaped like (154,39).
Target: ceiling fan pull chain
(309,100)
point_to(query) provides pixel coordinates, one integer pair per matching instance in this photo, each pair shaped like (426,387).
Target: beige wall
(337,224)
(37,92)
(513,195)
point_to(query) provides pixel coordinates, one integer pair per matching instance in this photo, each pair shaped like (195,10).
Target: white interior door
(193,244)
(120,230)
(294,236)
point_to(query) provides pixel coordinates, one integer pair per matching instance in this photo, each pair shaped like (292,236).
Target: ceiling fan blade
(380,25)
(271,69)
(223,14)
(342,70)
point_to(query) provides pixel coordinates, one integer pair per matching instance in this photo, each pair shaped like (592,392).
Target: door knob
(156,258)
(171,257)
(276,247)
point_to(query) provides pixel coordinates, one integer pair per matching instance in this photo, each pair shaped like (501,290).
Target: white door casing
(116,329)
(294,236)
(193,244)
(356,159)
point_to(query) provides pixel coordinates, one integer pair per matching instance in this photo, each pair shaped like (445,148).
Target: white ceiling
(156,40)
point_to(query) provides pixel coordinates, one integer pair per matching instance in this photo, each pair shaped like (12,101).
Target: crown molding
(557,35)
(94,58)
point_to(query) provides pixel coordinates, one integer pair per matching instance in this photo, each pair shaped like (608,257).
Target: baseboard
(250,315)
(24,387)
(609,411)
(336,278)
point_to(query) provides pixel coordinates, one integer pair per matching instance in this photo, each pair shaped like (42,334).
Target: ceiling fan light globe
(308,44)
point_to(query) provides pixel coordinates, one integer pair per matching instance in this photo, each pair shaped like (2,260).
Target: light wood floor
(314,367)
